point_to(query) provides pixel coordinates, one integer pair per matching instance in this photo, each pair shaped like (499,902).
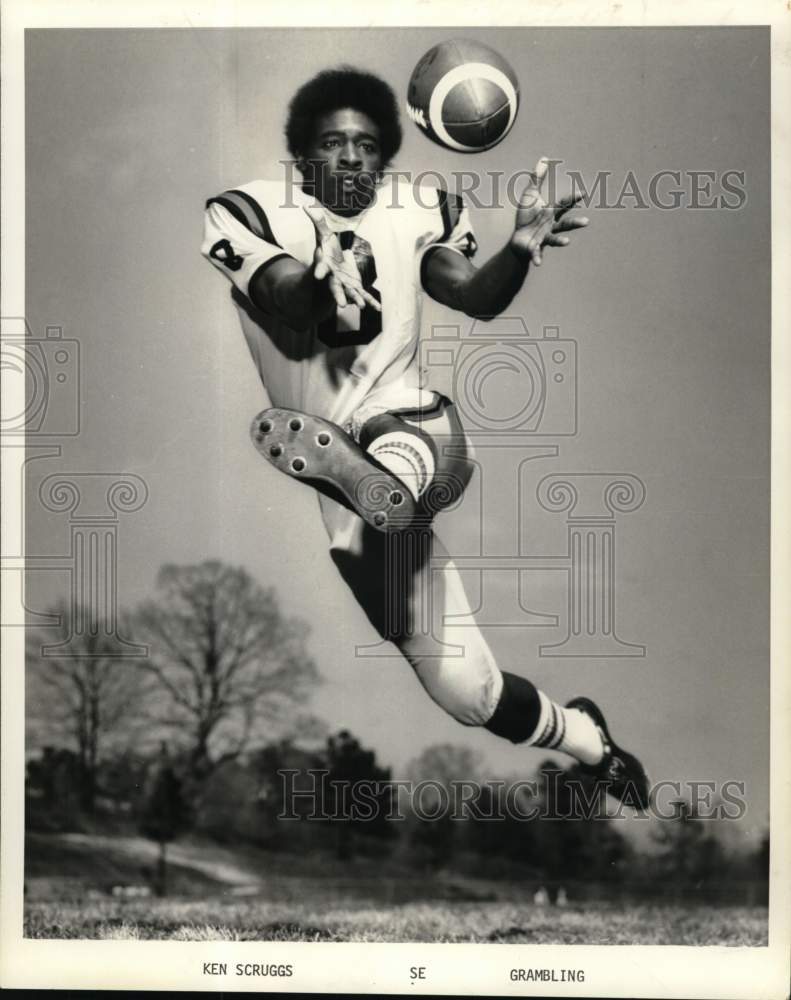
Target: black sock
(518,710)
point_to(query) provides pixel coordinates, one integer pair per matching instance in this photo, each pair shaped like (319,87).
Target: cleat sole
(318,452)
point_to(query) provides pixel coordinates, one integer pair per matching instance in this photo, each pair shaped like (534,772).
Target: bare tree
(164,814)
(446,763)
(437,774)
(229,664)
(85,698)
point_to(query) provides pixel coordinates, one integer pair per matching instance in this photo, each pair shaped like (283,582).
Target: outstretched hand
(540,224)
(330,262)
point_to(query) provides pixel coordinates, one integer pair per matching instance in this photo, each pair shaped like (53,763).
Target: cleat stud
(265,426)
(298,464)
(396,498)
(295,424)
(276,450)
(380,518)
(324,439)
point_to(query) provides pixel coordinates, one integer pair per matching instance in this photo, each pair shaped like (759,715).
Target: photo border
(471,969)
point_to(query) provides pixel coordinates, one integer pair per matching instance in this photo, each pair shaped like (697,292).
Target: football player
(328,277)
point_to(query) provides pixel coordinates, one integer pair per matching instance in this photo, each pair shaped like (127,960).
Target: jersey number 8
(336,331)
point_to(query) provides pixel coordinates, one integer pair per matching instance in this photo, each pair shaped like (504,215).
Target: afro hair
(344,87)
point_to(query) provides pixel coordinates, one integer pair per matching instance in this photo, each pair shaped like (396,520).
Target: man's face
(342,161)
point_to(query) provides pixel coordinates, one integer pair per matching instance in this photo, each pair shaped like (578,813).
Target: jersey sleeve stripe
(450,209)
(265,230)
(443,210)
(248,212)
(232,207)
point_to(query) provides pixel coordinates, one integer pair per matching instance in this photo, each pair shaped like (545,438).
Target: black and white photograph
(394,436)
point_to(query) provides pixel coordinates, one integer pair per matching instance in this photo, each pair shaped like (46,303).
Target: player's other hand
(540,224)
(340,270)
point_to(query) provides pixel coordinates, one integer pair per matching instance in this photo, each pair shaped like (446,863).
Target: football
(463,95)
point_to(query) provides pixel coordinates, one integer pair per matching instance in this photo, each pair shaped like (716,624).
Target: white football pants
(410,589)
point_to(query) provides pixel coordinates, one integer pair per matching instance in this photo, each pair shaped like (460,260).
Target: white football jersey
(331,369)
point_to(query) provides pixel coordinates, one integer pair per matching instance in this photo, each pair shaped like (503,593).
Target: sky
(129,131)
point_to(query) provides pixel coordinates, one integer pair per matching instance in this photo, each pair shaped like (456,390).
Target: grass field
(227,895)
(234,920)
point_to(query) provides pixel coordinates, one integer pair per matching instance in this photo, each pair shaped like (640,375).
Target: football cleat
(622,773)
(323,455)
